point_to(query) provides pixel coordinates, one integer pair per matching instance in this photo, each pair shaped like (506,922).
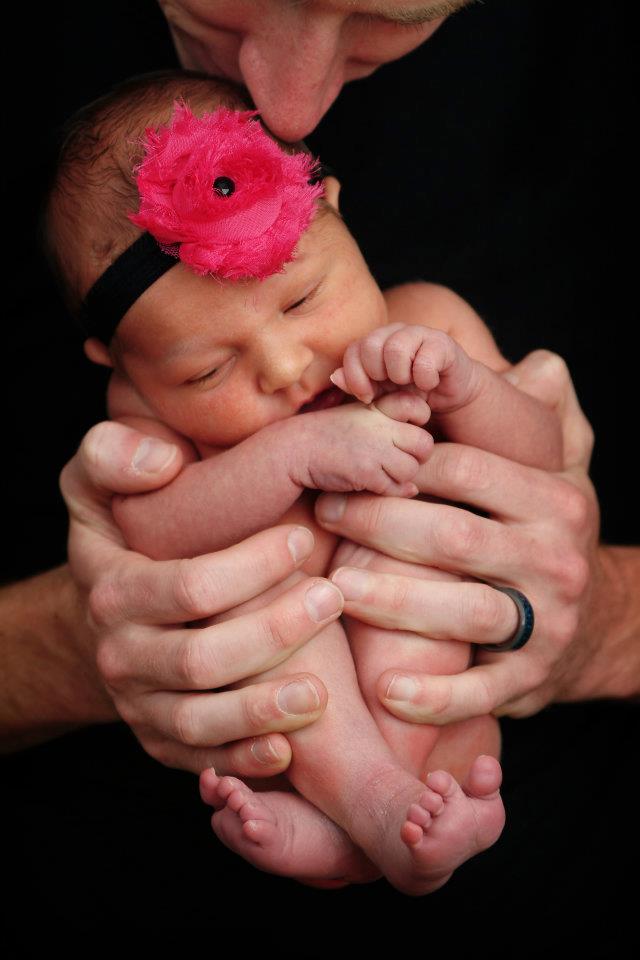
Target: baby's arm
(228,496)
(470,402)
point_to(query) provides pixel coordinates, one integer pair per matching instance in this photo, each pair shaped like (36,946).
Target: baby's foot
(282,833)
(449,825)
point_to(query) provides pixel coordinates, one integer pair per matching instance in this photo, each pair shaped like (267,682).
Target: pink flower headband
(217,193)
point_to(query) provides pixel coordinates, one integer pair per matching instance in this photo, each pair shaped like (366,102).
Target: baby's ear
(97,352)
(332,189)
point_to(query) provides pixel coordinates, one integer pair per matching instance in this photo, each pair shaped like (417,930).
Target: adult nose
(281,361)
(294,69)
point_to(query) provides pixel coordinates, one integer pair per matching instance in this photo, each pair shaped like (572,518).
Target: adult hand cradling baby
(150,666)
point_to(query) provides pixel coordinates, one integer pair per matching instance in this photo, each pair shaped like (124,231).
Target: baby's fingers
(355,377)
(404,406)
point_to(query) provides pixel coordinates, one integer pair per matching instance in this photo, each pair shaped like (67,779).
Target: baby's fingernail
(298,697)
(264,752)
(322,600)
(153,455)
(334,378)
(300,542)
(353,584)
(401,688)
(330,508)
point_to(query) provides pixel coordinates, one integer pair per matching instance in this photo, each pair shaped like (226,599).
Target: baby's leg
(344,767)
(420,747)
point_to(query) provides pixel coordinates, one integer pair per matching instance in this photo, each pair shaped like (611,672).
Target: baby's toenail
(401,688)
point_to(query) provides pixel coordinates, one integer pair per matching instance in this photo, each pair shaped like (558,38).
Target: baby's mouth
(324,400)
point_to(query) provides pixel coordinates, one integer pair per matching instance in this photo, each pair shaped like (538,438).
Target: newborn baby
(276,378)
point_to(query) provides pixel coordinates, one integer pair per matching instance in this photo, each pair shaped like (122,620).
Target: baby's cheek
(223,421)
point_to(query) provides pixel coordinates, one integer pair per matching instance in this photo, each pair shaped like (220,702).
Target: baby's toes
(419,815)
(227,785)
(237,798)
(255,809)
(432,802)
(209,789)
(484,777)
(442,783)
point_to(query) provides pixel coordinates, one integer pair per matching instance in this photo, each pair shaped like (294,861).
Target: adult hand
(537,532)
(160,672)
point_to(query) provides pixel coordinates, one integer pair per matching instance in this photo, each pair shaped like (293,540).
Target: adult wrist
(52,684)
(606,664)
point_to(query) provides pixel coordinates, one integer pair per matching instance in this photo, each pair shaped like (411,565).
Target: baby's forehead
(182,311)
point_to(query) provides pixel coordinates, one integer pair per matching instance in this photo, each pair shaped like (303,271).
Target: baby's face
(219,360)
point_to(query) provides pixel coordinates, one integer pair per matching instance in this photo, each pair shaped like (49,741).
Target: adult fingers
(419,698)
(432,533)
(179,591)
(113,458)
(471,612)
(212,719)
(545,375)
(211,657)
(264,756)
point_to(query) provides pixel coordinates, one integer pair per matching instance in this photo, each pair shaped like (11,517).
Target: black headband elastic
(129,276)
(121,284)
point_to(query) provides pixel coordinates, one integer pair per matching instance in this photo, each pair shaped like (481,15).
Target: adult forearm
(50,682)
(607,663)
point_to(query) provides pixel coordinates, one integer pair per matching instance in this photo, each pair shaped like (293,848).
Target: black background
(496,159)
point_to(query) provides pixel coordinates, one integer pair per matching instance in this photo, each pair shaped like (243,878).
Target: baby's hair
(85,224)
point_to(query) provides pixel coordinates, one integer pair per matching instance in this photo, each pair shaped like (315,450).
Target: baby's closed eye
(212,374)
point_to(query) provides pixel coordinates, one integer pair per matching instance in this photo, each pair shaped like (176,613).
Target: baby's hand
(403,354)
(354,447)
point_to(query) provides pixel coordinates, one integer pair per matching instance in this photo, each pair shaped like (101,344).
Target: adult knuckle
(482,608)
(460,538)
(573,506)
(194,662)
(465,469)
(275,635)
(103,601)
(257,712)
(111,664)
(572,574)
(370,518)
(184,721)
(194,592)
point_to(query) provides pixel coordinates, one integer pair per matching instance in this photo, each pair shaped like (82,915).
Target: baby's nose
(282,365)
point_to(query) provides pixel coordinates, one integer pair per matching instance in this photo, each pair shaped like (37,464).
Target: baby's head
(216,359)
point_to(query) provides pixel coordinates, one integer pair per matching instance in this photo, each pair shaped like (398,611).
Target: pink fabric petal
(253,231)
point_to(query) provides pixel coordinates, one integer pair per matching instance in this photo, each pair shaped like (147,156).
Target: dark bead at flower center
(224,186)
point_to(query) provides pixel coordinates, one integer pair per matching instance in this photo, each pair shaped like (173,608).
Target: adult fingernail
(331,507)
(265,752)
(300,542)
(401,688)
(298,697)
(322,600)
(153,455)
(353,584)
